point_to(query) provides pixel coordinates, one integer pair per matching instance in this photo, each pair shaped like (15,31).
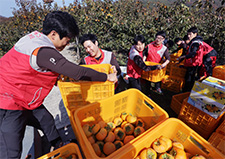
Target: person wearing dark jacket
(135,63)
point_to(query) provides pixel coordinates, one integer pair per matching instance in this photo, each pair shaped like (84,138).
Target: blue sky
(6,6)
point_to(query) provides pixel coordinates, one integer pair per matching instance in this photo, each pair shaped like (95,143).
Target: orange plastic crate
(176,102)
(218,141)
(130,101)
(219,72)
(173,84)
(177,71)
(155,75)
(177,131)
(64,152)
(221,128)
(198,120)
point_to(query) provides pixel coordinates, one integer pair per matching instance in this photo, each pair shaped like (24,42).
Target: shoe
(158,91)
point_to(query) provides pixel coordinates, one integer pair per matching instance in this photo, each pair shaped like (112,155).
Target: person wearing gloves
(28,73)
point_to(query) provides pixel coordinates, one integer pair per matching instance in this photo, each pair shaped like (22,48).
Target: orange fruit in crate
(159,145)
(148,153)
(102,123)
(165,156)
(128,128)
(119,133)
(101,135)
(131,119)
(118,144)
(87,130)
(124,116)
(117,121)
(95,128)
(110,137)
(97,149)
(178,145)
(198,157)
(138,131)
(128,138)
(140,122)
(178,153)
(168,142)
(109,148)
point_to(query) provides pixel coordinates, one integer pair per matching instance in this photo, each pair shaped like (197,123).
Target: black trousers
(12,128)
(190,78)
(134,83)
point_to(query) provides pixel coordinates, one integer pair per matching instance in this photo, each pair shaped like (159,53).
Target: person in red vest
(97,55)
(28,73)
(135,63)
(196,52)
(156,52)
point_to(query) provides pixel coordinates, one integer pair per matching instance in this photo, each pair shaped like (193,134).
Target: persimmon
(138,130)
(100,144)
(123,123)
(165,156)
(117,121)
(97,149)
(131,119)
(110,126)
(140,122)
(91,139)
(128,128)
(109,148)
(118,144)
(95,128)
(198,157)
(178,145)
(124,116)
(159,145)
(148,153)
(128,138)
(178,153)
(110,137)
(119,133)
(168,142)
(87,130)
(102,123)
(101,134)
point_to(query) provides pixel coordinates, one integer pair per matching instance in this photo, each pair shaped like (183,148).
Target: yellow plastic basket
(201,122)
(130,101)
(173,84)
(177,71)
(80,93)
(177,131)
(155,75)
(64,152)
(219,72)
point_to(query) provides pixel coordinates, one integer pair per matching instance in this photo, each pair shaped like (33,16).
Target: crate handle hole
(199,145)
(149,105)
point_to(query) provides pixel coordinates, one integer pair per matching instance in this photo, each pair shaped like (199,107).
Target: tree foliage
(117,22)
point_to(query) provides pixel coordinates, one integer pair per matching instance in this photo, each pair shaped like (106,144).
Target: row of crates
(107,107)
(157,122)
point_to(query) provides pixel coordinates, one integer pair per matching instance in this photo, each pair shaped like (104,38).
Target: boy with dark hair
(135,63)
(28,72)
(156,52)
(97,55)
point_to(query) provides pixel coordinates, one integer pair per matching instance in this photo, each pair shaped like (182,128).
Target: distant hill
(3,19)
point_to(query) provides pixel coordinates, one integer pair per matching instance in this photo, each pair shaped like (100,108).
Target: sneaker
(158,91)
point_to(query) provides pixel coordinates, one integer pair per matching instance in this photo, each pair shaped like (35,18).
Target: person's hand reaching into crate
(112,77)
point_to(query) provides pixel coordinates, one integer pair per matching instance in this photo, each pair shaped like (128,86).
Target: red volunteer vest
(132,68)
(198,58)
(23,84)
(155,53)
(105,58)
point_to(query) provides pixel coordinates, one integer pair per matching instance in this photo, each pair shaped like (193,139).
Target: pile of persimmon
(108,137)
(164,148)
